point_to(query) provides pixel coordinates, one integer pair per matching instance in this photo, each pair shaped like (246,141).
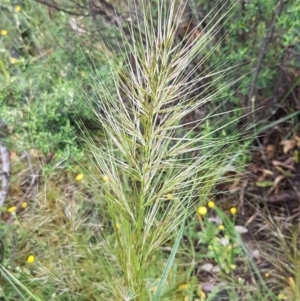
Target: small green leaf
(264,184)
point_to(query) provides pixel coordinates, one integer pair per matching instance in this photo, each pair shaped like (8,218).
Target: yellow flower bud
(267,275)
(79,177)
(105,178)
(30,259)
(202,210)
(221,227)
(169,196)
(11,209)
(211,204)
(233,210)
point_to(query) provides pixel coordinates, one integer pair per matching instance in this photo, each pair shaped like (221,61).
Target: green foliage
(40,99)
(244,40)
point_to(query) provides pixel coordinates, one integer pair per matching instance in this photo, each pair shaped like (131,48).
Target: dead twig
(286,196)
(74,12)
(4,154)
(263,50)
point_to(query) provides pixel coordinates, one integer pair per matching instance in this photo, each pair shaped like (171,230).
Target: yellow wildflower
(11,209)
(233,210)
(221,227)
(169,196)
(24,205)
(202,210)
(281,296)
(18,8)
(118,226)
(30,259)
(79,177)
(201,294)
(267,275)
(211,204)
(105,178)
(233,266)
(3,32)
(13,60)
(183,286)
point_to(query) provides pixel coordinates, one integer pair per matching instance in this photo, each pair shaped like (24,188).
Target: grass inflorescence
(156,173)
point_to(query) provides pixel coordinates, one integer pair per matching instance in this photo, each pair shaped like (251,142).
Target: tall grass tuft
(155,165)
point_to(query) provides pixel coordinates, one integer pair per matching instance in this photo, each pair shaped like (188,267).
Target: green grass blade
(166,271)
(16,284)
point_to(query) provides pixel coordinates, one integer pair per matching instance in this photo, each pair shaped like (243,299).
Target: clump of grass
(278,241)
